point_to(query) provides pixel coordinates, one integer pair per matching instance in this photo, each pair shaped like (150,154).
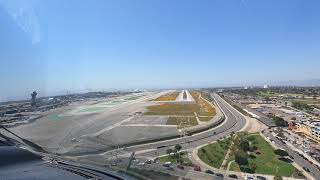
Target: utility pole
(130,161)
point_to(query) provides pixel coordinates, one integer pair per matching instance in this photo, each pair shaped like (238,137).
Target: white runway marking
(185,96)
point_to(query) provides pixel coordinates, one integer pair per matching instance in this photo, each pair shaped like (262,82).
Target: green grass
(174,158)
(173,109)
(234,167)
(213,154)
(267,161)
(184,121)
(308,101)
(267,94)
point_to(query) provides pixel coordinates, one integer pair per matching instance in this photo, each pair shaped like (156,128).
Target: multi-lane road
(314,171)
(262,117)
(233,122)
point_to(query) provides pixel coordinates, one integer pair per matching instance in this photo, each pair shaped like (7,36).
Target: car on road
(167,164)
(113,164)
(148,162)
(310,162)
(209,171)
(247,177)
(197,168)
(180,167)
(219,174)
(261,178)
(141,164)
(291,157)
(306,169)
(233,176)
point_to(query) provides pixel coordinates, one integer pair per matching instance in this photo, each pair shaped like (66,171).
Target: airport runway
(60,132)
(188,98)
(234,122)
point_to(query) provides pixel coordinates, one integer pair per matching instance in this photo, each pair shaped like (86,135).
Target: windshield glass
(167,85)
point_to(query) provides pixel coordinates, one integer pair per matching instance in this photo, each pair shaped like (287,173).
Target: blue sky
(54,46)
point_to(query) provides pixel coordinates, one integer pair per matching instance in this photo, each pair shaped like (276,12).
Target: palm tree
(169,151)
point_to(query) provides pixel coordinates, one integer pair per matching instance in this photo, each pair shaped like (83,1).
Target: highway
(262,117)
(234,122)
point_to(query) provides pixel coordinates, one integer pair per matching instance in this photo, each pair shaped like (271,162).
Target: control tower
(33,98)
(185,96)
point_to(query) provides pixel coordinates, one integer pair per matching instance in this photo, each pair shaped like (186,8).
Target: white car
(141,164)
(247,177)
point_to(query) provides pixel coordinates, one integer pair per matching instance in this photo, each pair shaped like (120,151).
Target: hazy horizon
(155,44)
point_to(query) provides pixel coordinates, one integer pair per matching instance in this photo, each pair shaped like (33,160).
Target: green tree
(253,166)
(281,153)
(244,145)
(280,121)
(241,157)
(277,177)
(280,134)
(169,151)
(254,148)
(178,147)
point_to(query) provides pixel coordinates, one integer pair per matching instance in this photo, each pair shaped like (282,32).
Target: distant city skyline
(155,44)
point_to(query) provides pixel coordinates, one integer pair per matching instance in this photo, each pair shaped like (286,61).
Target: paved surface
(262,117)
(187,173)
(63,133)
(181,99)
(233,122)
(315,173)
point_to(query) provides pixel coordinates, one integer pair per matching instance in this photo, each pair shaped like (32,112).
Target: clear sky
(56,45)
